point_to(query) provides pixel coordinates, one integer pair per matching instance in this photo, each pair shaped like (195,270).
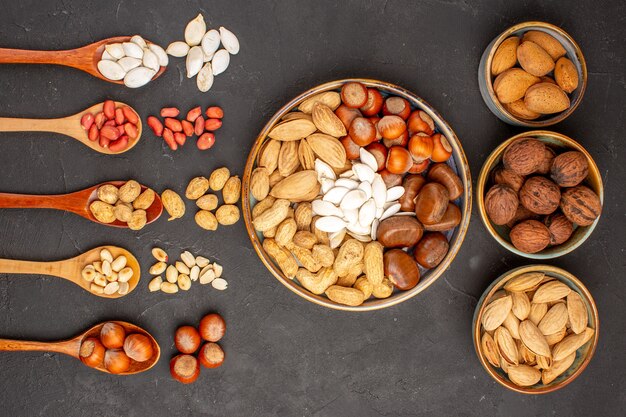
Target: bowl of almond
(356,195)
(533,74)
(535,329)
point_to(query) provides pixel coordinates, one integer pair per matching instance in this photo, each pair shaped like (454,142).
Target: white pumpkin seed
(379,211)
(330,224)
(194,62)
(220,61)
(132,50)
(195,30)
(351,215)
(363,172)
(327,184)
(138,77)
(150,60)
(324,170)
(111,70)
(160,53)
(353,199)
(367,213)
(204,80)
(335,195)
(366,187)
(178,49)
(368,159)
(128,63)
(219,284)
(347,183)
(229,40)
(394,193)
(379,191)
(210,42)
(358,229)
(138,40)
(375,224)
(393,209)
(325,208)
(346,174)
(115,50)
(207,58)
(361,238)
(107,56)
(336,238)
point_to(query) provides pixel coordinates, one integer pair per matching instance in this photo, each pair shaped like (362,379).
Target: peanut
(271,232)
(123,212)
(366,287)
(373,262)
(108,193)
(272,216)
(173,204)
(304,239)
(207,202)
(322,237)
(350,253)
(285,232)
(196,188)
(305,257)
(206,220)
(324,255)
(227,214)
(383,290)
(304,215)
(129,191)
(102,211)
(145,200)
(282,257)
(345,295)
(218,178)
(232,190)
(262,205)
(354,272)
(137,220)
(317,283)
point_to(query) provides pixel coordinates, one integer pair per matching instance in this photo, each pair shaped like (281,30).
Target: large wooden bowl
(458,162)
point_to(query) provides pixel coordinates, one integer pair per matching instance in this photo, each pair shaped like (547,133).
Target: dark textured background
(286,356)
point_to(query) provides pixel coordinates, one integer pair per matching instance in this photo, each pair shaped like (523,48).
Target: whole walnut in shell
(560,228)
(540,195)
(569,169)
(581,205)
(522,213)
(501,204)
(507,177)
(524,156)
(530,236)
(548,158)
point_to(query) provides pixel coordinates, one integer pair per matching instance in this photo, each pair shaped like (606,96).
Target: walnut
(530,236)
(569,169)
(524,156)
(501,204)
(521,214)
(540,195)
(546,164)
(560,228)
(507,177)
(581,205)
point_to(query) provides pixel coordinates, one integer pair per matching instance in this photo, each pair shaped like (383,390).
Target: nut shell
(530,236)
(524,156)
(560,228)
(507,177)
(569,169)
(501,204)
(581,205)
(401,269)
(548,157)
(540,195)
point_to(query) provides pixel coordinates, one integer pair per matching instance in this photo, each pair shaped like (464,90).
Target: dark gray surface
(286,356)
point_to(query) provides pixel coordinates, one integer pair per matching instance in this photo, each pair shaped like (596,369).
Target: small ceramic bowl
(559,143)
(458,163)
(583,354)
(485,79)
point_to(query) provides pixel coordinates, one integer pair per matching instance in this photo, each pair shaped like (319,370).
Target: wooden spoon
(85,58)
(71,347)
(70,269)
(69,126)
(76,202)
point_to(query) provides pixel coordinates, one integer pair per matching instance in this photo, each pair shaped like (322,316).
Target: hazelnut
(540,195)
(548,157)
(530,236)
(581,205)
(560,228)
(569,169)
(507,177)
(501,204)
(524,156)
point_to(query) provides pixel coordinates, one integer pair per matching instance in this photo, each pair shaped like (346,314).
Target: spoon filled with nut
(114,347)
(125,204)
(105,271)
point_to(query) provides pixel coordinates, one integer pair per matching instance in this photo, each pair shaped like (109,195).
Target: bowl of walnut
(540,194)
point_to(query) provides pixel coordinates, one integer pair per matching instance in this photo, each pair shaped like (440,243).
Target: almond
(330,99)
(495,313)
(296,115)
(524,375)
(306,155)
(577,312)
(551,291)
(268,155)
(546,98)
(327,122)
(524,282)
(555,338)
(521,305)
(505,56)
(506,345)
(533,339)
(490,350)
(512,84)
(547,42)
(566,75)
(295,129)
(301,186)
(534,59)
(288,161)
(571,344)
(557,368)
(537,311)
(518,109)
(554,320)
(511,323)
(328,149)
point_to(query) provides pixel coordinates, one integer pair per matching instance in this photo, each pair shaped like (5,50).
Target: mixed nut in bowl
(540,194)
(535,329)
(533,74)
(357,195)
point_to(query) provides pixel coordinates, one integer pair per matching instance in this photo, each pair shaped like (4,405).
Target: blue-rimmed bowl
(583,354)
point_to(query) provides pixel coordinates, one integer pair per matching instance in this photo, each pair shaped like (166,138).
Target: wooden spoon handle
(68,347)
(11,266)
(59,202)
(22,56)
(64,125)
